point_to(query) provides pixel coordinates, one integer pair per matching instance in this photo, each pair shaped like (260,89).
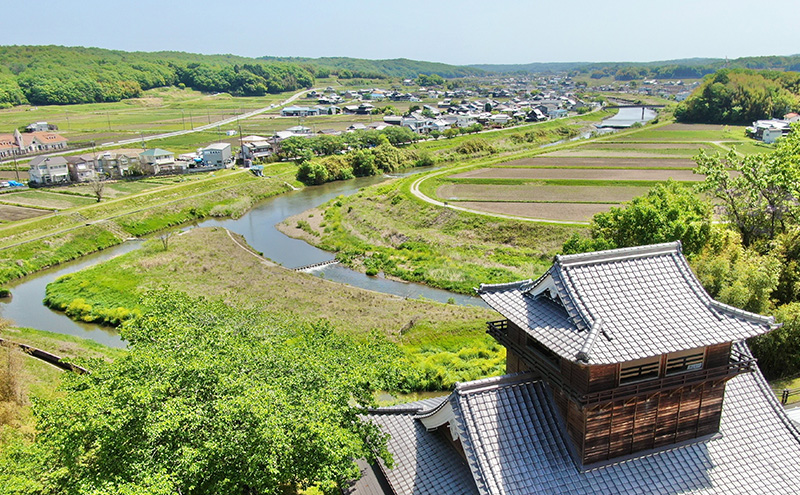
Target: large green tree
(668,212)
(758,194)
(213,400)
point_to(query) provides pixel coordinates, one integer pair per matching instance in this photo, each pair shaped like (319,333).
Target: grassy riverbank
(384,228)
(26,379)
(29,246)
(444,343)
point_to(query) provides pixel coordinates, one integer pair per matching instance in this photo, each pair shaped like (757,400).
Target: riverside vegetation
(41,242)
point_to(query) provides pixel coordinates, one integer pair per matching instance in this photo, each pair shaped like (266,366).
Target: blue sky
(450,31)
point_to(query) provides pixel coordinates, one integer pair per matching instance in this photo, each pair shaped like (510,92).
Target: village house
(624,377)
(119,163)
(769,130)
(82,168)
(254,147)
(157,161)
(40,127)
(46,170)
(217,155)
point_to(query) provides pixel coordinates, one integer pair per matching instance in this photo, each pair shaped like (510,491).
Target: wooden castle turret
(636,353)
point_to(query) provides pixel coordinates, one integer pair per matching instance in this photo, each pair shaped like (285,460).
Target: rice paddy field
(574,182)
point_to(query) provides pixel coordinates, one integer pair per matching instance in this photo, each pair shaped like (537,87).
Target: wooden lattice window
(683,361)
(640,369)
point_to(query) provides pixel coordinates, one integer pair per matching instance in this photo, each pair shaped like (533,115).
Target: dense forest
(741,96)
(42,75)
(45,75)
(404,68)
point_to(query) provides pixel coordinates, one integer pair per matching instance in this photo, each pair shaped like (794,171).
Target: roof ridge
(476,386)
(422,413)
(483,288)
(755,317)
(618,254)
(586,348)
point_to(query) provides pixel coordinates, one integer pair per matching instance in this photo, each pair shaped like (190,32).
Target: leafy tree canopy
(736,96)
(758,194)
(668,212)
(212,400)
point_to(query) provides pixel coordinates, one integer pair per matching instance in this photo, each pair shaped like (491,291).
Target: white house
(157,161)
(49,170)
(217,155)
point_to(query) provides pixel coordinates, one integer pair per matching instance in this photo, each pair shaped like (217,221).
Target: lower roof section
(514,443)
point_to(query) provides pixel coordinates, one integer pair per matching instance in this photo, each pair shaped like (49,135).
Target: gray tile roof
(424,462)
(513,440)
(620,305)
(512,437)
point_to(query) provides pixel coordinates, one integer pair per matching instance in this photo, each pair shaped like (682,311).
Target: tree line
(751,261)
(42,75)
(741,96)
(360,153)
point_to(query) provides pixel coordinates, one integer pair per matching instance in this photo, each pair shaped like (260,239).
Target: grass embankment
(25,379)
(443,343)
(384,228)
(29,246)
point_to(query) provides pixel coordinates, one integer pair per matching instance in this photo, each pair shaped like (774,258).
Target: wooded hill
(42,75)
(741,96)
(403,68)
(691,68)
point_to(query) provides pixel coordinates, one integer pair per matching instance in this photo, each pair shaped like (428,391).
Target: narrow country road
(212,125)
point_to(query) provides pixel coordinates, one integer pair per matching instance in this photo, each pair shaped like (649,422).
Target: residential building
(295,111)
(82,168)
(254,147)
(299,129)
(30,142)
(624,377)
(119,163)
(217,155)
(39,127)
(773,125)
(48,170)
(157,161)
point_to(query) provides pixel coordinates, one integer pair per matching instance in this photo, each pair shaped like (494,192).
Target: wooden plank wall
(717,355)
(647,422)
(514,363)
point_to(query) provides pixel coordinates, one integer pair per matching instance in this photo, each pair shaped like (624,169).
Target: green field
(30,245)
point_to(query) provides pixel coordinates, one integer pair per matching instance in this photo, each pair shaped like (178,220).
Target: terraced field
(574,182)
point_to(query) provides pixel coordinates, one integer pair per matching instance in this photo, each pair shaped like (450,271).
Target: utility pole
(183,121)
(16,169)
(191,121)
(241,144)
(109,122)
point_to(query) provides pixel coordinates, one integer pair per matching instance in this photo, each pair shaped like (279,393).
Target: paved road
(212,125)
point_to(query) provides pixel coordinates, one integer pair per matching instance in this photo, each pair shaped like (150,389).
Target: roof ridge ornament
(584,353)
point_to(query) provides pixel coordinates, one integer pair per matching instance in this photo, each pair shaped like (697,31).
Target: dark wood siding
(602,377)
(646,422)
(575,375)
(717,355)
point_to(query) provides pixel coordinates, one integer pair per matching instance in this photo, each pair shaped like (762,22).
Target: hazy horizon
(463,32)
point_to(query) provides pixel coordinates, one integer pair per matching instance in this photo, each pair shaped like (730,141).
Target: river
(628,116)
(257,226)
